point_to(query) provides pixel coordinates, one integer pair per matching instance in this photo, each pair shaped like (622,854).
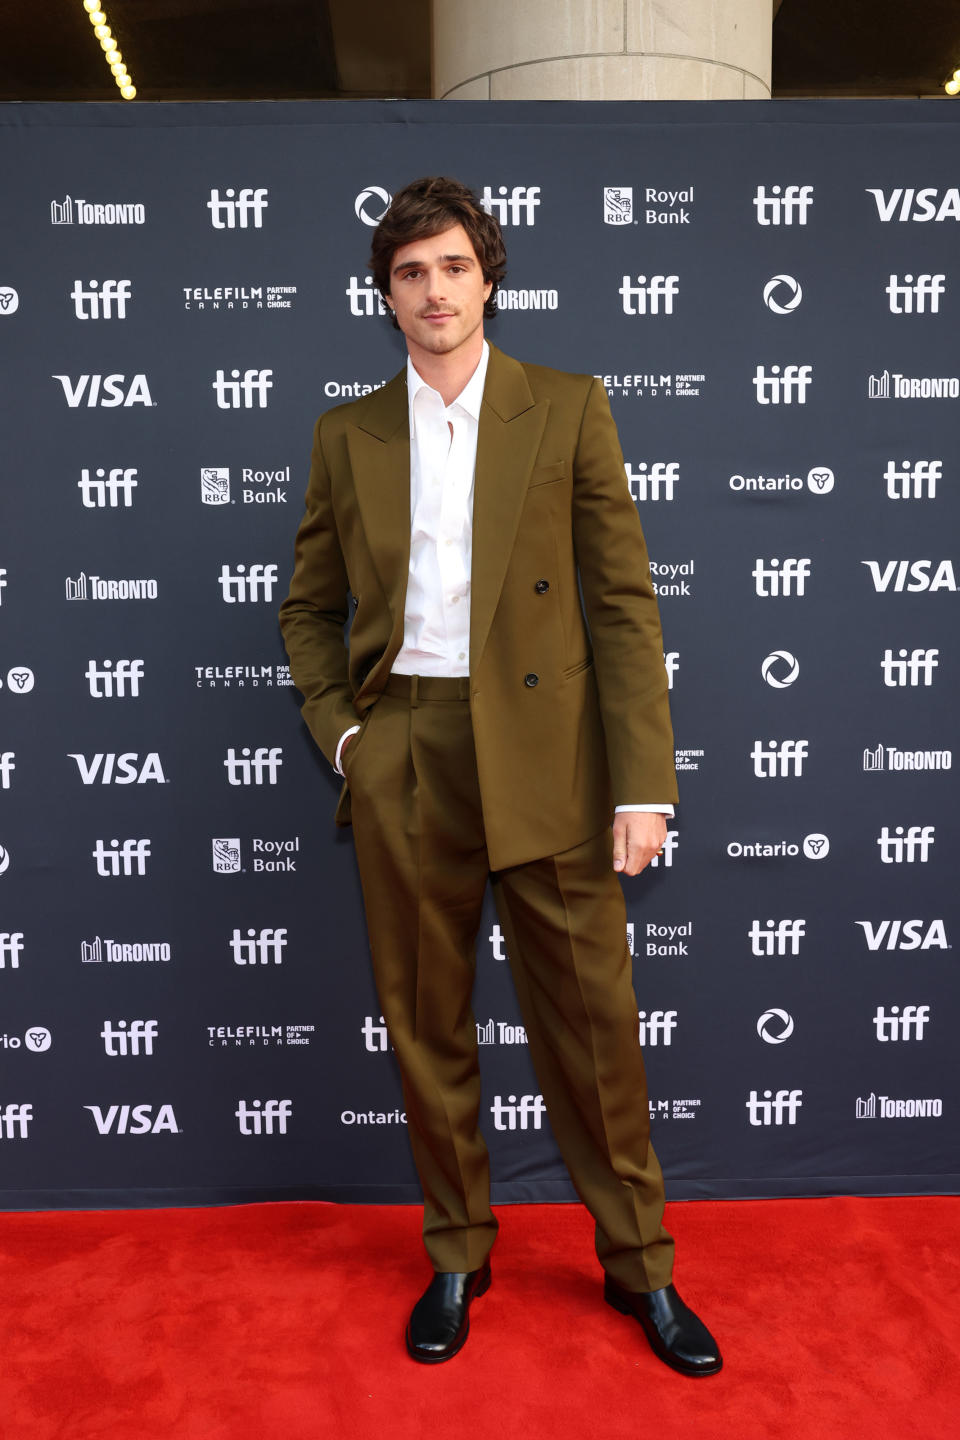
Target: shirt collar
(471,396)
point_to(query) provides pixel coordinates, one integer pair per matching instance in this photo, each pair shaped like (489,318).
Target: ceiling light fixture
(108,44)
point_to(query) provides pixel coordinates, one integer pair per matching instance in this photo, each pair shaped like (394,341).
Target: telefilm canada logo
(241,677)
(239,297)
(680,1109)
(70,211)
(654,385)
(262,1036)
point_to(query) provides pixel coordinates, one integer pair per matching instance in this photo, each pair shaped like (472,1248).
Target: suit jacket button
(531,680)
(542,586)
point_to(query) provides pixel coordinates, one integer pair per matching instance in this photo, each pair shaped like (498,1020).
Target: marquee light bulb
(108,42)
(129,92)
(91,5)
(113,56)
(119,68)
(952,87)
(102,32)
(956,74)
(97,17)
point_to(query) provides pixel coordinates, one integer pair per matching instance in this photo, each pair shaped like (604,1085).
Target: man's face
(437,292)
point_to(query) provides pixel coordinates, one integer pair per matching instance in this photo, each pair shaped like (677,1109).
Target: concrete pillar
(602,49)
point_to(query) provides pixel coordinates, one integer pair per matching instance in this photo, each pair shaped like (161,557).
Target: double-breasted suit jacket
(568,690)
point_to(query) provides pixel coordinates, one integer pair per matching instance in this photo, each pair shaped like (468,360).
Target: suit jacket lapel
(508,439)
(378,442)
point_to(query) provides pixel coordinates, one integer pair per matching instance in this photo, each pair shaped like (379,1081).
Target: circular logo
(774,1036)
(20,680)
(9,300)
(780,669)
(371,204)
(788,298)
(4,859)
(820,480)
(38,1038)
(816,847)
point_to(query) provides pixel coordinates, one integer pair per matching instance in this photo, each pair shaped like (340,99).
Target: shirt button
(531,680)
(462,655)
(542,586)
(454,599)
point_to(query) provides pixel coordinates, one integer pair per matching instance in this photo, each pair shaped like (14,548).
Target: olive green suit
(565,713)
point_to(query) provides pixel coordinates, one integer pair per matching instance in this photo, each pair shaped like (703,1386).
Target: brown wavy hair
(428,207)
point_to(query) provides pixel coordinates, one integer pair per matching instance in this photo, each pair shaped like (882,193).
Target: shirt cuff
(646,809)
(340,744)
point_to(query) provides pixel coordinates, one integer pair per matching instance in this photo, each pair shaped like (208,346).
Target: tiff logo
(774,1109)
(234,394)
(787,577)
(243,585)
(374,1036)
(907,848)
(120,860)
(514,209)
(114,679)
(671,661)
(909,296)
(777,937)
(15,1121)
(364,298)
(784,385)
(657,1027)
(906,1025)
(644,297)
(913,482)
(104,301)
(266,1117)
(11,948)
(772,761)
(513,1114)
(655,482)
(101,489)
(259,948)
(785,205)
(670,843)
(914,669)
(3,583)
(261,769)
(129,1037)
(8,763)
(235,210)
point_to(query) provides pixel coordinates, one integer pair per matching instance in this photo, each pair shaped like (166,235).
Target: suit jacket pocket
(573,670)
(548,474)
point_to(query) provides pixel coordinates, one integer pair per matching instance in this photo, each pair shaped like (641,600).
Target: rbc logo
(236,210)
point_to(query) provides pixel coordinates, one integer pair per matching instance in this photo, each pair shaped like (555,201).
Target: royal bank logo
(913,480)
(215,486)
(372,204)
(106,391)
(782,294)
(780,669)
(114,679)
(775,1026)
(618,204)
(11,948)
(237,209)
(258,947)
(906,845)
(516,206)
(128,857)
(672,577)
(663,942)
(782,384)
(901,1023)
(134,1119)
(227,858)
(513,1113)
(888,757)
(244,392)
(95,587)
(897,576)
(247,584)
(20,678)
(649,294)
(896,386)
(918,295)
(653,481)
(263,1117)
(907,204)
(101,299)
(105,489)
(784,205)
(88,212)
(884,1107)
(129,1037)
(904,934)
(9,300)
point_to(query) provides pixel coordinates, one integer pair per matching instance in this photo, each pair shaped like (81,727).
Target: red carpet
(839,1320)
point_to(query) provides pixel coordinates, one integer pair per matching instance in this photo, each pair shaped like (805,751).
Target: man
(489,724)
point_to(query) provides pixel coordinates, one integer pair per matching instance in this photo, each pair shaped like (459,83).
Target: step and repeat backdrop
(771,295)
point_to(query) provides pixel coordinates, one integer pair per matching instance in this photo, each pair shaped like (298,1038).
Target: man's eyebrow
(444,259)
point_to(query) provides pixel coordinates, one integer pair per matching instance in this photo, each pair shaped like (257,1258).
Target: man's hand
(638,835)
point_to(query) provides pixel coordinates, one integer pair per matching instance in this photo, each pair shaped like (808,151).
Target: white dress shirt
(443,457)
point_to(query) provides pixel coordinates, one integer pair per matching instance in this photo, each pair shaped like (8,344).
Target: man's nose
(435,286)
